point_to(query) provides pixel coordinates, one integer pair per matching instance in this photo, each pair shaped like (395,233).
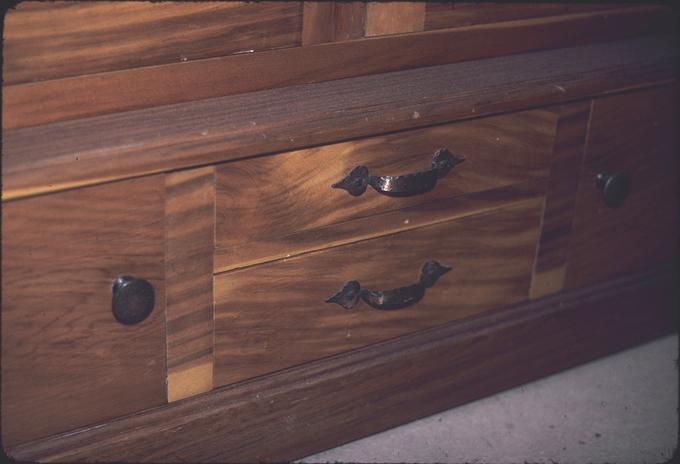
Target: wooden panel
(332,22)
(327,403)
(318,23)
(349,20)
(441,15)
(66,362)
(264,329)
(384,18)
(71,153)
(42,102)
(285,195)
(565,166)
(48,40)
(636,133)
(190,238)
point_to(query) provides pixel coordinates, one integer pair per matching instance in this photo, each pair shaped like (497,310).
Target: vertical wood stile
(550,268)
(190,232)
(394,17)
(325,22)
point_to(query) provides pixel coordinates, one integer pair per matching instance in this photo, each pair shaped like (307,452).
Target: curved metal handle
(396,298)
(615,187)
(405,185)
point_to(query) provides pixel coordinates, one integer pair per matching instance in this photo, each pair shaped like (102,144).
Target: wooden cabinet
(291,208)
(66,361)
(631,135)
(284,176)
(277,315)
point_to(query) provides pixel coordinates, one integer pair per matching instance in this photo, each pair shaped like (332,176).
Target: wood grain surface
(71,98)
(49,40)
(434,212)
(82,152)
(332,21)
(636,133)
(288,196)
(189,244)
(66,362)
(383,18)
(261,329)
(565,166)
(440,15)
(301,411)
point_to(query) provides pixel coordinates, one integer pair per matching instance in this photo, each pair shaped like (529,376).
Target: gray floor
(620,409)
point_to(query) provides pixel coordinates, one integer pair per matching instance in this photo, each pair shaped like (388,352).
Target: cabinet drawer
(66,361)
(81,35)
(261,328)
(633,134)
(272,207)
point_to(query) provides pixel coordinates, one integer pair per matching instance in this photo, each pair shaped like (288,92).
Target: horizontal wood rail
(82,152)
(37,103)
(345,397)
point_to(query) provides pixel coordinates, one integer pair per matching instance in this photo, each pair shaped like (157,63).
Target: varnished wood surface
(441,15)
(332,21)
(82,152)
(266,205)
(189,243)
(258,251)
(274,316)
(71,98)
(383,18)
(565,165)
(49,40)
(66,362)
(636,133)
(304,410)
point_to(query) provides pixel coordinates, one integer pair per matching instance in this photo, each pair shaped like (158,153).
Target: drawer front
(271,207)
(274,316)
(81,35)
(633,134)
(66,361)
(440,15)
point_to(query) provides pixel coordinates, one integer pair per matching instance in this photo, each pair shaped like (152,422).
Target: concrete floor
(620,409)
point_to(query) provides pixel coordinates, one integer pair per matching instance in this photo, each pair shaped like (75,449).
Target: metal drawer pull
(406,185)
(615,187)
(133,300)
(396,298)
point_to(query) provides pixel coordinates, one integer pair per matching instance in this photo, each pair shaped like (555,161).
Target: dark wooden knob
(133,300)
(615,187)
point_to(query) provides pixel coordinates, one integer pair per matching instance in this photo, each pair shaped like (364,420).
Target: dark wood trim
(35,103)
(76,153)
(303,410)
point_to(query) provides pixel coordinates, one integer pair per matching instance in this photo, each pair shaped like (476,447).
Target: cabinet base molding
(306,409)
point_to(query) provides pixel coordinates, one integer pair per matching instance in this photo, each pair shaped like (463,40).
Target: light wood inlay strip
(383,18)
(190,237)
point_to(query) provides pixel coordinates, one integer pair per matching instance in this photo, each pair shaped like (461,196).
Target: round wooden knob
(133,300)
(614,187)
